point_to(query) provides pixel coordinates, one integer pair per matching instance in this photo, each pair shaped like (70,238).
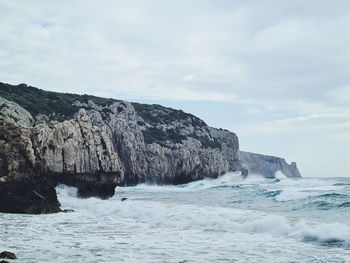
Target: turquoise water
(223,220)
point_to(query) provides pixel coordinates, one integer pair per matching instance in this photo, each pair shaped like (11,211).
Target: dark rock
(244,172)
(7,254)
(123,199)
(29,196)
(67,210)
(23,187)
(98,184)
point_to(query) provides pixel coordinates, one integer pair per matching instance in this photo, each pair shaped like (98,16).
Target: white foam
(303,188)
(228,179)
(206,218)
(66,191)
(160,227)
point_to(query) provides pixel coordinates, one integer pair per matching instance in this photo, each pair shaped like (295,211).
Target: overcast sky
(275,72)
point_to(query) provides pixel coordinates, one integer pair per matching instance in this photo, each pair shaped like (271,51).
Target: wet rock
(67,210)
(23,186)
(8,255)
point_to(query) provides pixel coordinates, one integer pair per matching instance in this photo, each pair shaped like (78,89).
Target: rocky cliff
(267,166)
(96,144)
(23,188)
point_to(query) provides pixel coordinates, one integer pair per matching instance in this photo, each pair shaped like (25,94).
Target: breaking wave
(221,220)
(207,217)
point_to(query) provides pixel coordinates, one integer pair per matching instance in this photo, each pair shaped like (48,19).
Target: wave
(66,191)
(314,200)
(324,234)
(341,184)
(273,193)
(344,204)
(294,194)
(206,218)
(330,195)
(321,205)
(295,190)
(228,180)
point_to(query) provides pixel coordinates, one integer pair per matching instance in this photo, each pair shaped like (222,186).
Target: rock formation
(96,144)
(7,254)
(23,188)
(267,166)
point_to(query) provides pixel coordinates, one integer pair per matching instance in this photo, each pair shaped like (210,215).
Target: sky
(276,72)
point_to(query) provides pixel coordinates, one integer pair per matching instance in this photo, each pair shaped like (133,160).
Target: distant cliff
(96,144)
(267,166)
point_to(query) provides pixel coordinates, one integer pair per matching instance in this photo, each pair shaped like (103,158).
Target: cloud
(232,50)
(285,62)
(341,95)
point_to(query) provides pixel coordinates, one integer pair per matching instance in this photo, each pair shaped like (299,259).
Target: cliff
(96,144)
(23,188)
(267,166)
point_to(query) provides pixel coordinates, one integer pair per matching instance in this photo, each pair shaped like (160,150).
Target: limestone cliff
(23,188)
(267,166)
(95,144)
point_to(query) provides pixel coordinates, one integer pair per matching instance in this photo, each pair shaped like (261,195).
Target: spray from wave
(172,214)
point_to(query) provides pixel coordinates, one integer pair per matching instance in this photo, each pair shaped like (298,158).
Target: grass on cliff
(155,114)
(56,105)
(59,106)
(154,135)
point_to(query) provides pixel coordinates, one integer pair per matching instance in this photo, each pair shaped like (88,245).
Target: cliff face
(23,188)
(96,144)
(267,166)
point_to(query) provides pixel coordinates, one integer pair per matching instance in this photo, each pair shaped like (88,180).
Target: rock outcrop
(267,166)
(96,144)
(23,188)
(8,255)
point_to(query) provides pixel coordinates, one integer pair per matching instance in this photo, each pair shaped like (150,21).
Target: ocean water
(223,220)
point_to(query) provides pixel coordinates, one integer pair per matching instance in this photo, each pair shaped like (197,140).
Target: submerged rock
(67,210)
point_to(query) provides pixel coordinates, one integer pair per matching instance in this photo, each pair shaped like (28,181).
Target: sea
(228,219)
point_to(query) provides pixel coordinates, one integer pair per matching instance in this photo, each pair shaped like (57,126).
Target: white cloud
(287,61)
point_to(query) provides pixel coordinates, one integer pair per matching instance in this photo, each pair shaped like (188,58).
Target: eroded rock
(23,186)
(8,255)
(267,166)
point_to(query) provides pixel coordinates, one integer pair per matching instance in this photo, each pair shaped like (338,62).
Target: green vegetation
(155,114)
(59,106)
(207,143)
(56,105)
(155,135)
